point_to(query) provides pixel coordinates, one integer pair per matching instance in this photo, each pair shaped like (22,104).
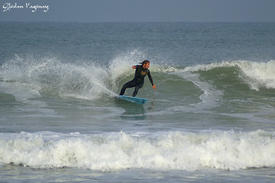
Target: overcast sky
(141,10)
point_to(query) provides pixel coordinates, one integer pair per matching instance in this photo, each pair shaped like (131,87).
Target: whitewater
(113,151)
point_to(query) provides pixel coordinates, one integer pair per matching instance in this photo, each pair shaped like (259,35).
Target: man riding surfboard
(138,81)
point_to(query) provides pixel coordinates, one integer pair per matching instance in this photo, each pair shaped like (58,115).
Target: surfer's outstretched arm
(151,80)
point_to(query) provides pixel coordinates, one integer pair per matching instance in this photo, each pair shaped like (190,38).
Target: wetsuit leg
(138,86)
(129,84)
(135,91)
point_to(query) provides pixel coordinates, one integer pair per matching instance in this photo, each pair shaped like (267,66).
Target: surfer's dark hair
(144,62)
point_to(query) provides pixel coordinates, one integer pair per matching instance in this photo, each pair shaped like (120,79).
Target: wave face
(256,74)
(227,150)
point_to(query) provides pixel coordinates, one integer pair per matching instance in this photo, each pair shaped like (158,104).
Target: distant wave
(228,150)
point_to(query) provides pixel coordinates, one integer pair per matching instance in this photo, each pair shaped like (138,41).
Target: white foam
(114,151)
(49,74)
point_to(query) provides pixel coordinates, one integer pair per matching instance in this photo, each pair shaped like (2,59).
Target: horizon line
(56,21)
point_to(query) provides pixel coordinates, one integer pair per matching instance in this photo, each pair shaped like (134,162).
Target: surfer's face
(146,65)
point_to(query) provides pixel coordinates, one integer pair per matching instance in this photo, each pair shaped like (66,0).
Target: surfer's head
(145,64)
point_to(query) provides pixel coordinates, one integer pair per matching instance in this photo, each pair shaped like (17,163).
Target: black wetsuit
(138,81)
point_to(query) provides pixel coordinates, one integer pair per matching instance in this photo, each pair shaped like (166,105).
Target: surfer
(138,81)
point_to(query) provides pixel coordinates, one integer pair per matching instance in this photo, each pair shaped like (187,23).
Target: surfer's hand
(154,86)
(134,67)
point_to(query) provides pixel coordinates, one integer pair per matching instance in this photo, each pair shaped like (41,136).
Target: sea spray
(62,79)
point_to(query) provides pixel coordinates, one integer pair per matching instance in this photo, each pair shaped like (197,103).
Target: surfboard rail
(133,99)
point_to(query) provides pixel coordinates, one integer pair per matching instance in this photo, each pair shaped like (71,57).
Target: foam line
(179,150)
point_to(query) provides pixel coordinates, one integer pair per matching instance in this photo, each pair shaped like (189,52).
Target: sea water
(211,118)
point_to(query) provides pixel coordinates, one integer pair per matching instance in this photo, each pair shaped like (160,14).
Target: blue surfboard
(133,99)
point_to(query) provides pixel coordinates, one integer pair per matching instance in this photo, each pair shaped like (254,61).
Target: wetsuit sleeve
(150,78)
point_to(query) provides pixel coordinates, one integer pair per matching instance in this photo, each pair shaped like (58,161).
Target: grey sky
(144,10)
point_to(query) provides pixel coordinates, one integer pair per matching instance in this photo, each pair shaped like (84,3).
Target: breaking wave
(190,151)
(256,74)
(28,77)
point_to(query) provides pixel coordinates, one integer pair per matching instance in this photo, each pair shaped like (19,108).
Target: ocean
(210,119)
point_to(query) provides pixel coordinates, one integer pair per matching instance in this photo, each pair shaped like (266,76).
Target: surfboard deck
(133,99)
